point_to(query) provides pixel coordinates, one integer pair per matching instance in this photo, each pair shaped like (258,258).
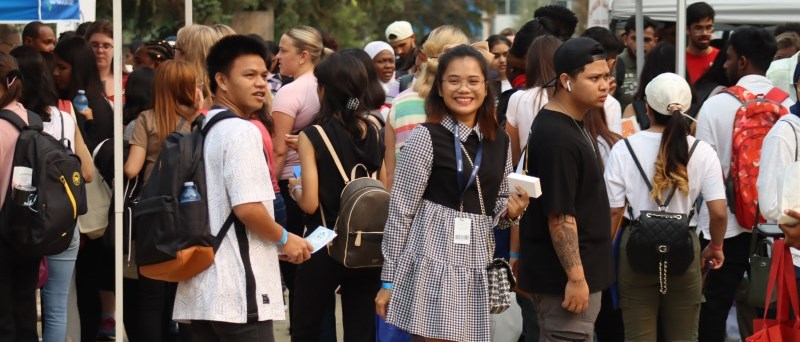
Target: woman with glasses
(438,238)
(101,38)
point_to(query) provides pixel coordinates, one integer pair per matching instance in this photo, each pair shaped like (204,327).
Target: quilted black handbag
(660,242)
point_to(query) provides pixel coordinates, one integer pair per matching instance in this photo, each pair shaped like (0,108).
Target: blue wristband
(284,237)
(513,255)
(387,286)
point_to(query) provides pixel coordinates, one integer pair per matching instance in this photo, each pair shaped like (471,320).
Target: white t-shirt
(779,150)
(236,173)
(525,104)
(715,126)
(522,109)
(53,127)
(623,179)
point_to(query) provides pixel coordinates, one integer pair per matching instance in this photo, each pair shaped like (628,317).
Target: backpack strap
(227,114)
(647,180)
(641,114)
(739,93)
(776,94)
(797,143)
(244,253)
(333,153)
(34,120)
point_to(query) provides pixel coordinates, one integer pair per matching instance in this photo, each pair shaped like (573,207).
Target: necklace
(583,131)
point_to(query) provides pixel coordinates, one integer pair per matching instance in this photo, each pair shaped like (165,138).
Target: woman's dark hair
(673,154)
(595,123)
(525,37)
(374,97)
(558,20)
(435,108)
(77,53)
(101,26)
(83,28)
(38,91)
(158,50)
(138,94)
(10,80)
(539,63)
(263,114)
(661,59)
(341,77)
(498,39)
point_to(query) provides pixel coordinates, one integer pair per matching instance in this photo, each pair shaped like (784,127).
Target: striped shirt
(408,111)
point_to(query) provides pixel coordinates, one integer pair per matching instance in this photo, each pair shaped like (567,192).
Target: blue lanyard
(460,165)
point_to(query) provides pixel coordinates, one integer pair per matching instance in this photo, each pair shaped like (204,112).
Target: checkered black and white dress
(441,288)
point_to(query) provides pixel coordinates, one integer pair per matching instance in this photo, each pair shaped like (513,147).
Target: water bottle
(189,193)
(80,101)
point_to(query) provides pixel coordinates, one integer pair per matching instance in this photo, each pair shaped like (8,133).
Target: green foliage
(352,22)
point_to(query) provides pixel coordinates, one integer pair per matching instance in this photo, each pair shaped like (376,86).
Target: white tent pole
(117,7)
(680,25)
(639,38)
(187,12)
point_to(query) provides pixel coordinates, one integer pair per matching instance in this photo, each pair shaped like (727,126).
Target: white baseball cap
(668,92)
(399,30)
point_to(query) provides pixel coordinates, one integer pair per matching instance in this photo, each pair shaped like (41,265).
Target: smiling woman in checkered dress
(434,274)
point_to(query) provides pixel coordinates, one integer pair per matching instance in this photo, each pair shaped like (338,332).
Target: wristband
(513,255)
(284,237)
(715,247)
(387,285)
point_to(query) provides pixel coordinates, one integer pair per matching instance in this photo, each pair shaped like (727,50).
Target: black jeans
(94,271)
(295,225)
(609,327)
(150,315)
(210,331)
(316,281)
(721,286)
(18,276)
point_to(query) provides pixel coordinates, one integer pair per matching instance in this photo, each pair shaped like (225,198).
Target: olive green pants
(642,303)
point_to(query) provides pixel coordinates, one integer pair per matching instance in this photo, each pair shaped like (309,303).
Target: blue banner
(29,10)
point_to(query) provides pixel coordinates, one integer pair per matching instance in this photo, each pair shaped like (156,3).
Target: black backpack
(174,240)
(42,222)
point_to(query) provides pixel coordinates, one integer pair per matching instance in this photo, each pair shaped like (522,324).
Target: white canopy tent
(767,12)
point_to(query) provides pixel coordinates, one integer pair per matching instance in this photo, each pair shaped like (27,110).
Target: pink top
(8,140)
(266,139)
(299,100)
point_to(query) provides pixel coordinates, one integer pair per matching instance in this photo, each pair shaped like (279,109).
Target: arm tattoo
(564,233)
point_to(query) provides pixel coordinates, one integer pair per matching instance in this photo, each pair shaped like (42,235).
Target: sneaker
(107,329)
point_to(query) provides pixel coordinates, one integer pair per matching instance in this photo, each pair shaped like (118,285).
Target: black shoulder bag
(660,242)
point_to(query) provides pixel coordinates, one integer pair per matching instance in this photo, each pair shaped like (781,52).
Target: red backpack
(754,118)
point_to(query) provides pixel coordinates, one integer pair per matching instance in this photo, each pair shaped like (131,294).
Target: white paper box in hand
(790,196)
(529,183)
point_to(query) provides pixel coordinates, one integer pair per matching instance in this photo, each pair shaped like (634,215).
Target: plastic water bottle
(80,101)
(189,193)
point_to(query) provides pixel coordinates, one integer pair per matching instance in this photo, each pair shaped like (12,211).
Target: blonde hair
(307,38)
(195,41)
(224,30)
(173,86)
(439,38)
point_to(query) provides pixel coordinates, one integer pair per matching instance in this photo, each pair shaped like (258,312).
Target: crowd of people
(612,151)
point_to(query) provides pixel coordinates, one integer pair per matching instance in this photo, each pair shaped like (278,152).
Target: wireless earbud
(569,88)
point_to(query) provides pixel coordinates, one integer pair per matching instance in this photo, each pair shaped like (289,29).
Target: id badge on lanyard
(462,226)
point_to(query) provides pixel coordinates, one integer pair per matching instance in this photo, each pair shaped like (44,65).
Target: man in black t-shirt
(565,244)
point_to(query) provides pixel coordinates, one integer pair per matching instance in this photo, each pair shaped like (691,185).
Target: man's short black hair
(559,20)
(32,30)
(755,43)
(699,11)
(630,24)
(788,27)
(608,40)
(227,50)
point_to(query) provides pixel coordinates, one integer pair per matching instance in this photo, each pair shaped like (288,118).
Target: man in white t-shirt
(781,148)
(750,53)
(228,301)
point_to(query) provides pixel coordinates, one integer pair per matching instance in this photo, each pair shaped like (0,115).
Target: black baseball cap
(574,54)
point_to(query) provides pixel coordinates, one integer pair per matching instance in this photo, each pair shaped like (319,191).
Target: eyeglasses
(700,28)
(103,46)
(457,83)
